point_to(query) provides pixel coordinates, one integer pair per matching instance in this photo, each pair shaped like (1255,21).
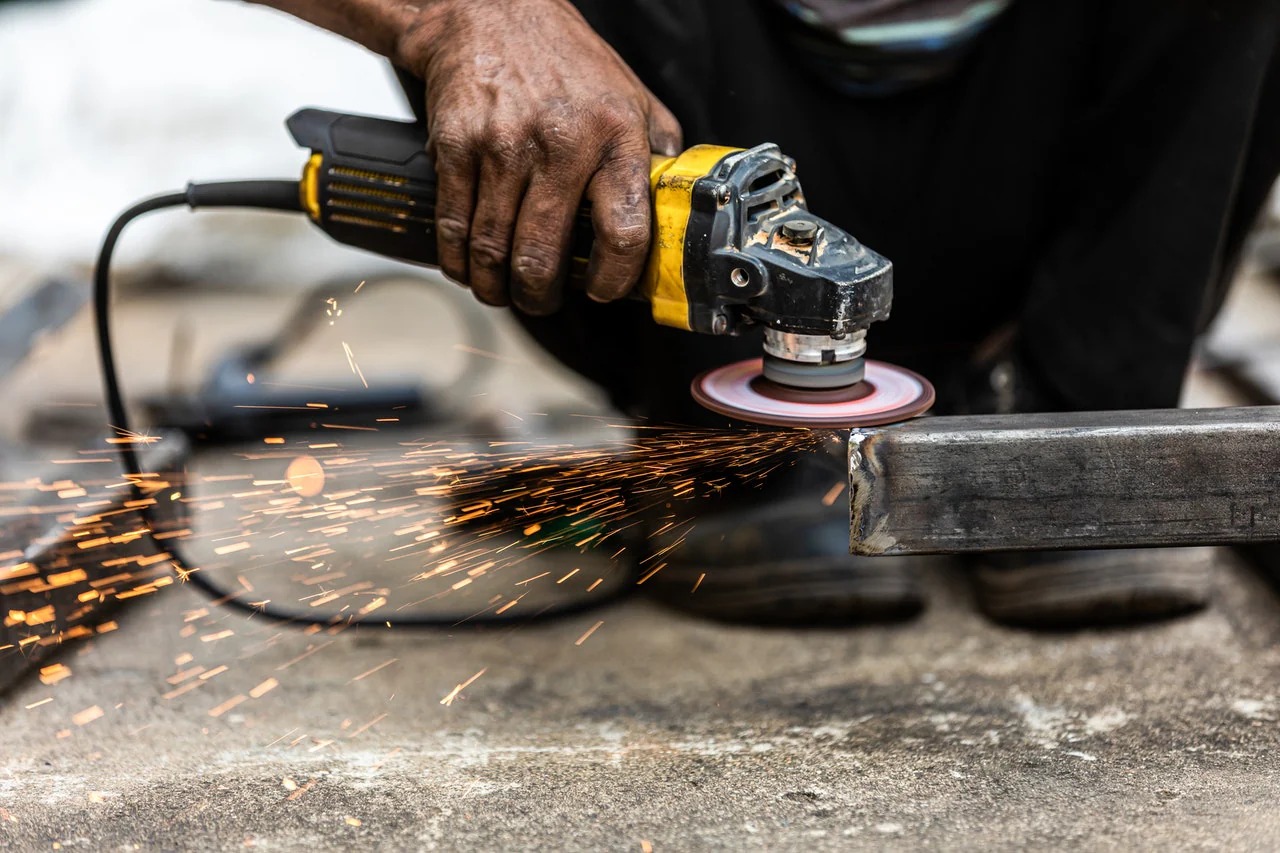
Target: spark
(589,632)
(470,350)
(436,517)
(362,676)
(457,691)
(186,688)
(305,475)
(276,741)
(231,549)
(87,716)
(300,790)
(53,673)
(264,688)
(651,573)
(368,725)
(226,706)
(355,366)
(308,653)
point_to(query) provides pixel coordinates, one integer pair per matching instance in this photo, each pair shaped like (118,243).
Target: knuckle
(451,141)
(558,128)
(557,141)
(618,119)
(488,253)
(537,266)
(506,143)
(625,236)
(451,230)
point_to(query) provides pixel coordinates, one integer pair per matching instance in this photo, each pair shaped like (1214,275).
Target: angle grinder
(734,245)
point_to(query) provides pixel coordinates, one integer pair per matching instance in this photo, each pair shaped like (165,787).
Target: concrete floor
(942,733)
(655,731)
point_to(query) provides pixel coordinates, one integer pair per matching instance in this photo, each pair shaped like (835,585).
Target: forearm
(383,26)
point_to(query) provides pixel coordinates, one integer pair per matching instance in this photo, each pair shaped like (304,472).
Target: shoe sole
(1074,592)
(801,592)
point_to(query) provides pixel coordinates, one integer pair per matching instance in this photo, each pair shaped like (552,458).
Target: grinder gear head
(755,254)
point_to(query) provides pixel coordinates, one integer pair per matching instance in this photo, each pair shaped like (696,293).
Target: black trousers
(1088,177)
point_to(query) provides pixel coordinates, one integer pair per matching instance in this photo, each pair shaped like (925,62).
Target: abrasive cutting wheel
(886,395)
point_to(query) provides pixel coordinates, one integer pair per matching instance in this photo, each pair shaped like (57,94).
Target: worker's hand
(530,112)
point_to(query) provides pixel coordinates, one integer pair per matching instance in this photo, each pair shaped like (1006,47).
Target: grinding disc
(887,394)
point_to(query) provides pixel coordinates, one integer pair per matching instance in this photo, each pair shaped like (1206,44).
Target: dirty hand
(530,113)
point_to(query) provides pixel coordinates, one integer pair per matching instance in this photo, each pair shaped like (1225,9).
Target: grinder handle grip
(370,183)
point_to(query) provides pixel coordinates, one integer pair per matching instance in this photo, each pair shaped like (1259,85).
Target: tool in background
(234,402)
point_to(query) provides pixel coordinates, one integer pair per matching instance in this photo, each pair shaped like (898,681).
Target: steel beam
(1079,480)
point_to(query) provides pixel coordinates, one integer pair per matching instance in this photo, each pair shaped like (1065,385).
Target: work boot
(780,556)
(1082,588)
(1078,589)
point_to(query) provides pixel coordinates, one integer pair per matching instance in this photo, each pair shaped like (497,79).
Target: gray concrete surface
(945,733)
(655,731)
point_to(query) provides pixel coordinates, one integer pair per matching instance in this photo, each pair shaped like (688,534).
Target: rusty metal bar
(1079,480)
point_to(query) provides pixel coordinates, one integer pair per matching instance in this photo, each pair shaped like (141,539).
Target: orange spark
(590,631)
(457,691)
(305,476)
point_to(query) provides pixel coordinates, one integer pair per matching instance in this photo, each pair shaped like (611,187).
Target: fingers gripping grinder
(734,244)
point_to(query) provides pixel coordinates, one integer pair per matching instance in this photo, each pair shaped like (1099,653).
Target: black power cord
(279,195)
